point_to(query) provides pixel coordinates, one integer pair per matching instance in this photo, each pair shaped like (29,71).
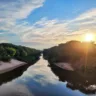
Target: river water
(38,80)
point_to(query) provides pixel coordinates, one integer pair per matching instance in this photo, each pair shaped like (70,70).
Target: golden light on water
(89,37)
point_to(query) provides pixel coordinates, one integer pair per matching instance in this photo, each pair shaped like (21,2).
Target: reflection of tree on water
(76,81)
(8,76)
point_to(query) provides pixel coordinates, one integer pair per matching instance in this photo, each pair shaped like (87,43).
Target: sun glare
(89,37)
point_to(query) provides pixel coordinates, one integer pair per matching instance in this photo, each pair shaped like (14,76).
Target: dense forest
(81,55)
(9,51)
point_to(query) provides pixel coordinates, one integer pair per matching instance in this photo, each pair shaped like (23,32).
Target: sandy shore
(65,66)
(8,66)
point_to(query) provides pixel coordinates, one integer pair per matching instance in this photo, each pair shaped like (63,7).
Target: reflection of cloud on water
(40,81)
(14,90)
(40,73)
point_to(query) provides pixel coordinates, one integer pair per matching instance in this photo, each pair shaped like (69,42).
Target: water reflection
(5,77)
(76,81)
(14,90)
(39,80)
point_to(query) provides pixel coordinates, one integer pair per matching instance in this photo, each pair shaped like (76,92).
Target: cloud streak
(18,9)
(45,31)
(14,10)
(56,31)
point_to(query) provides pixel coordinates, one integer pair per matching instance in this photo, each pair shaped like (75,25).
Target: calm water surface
(38,80)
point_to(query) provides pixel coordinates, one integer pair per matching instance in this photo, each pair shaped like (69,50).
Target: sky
(45,23)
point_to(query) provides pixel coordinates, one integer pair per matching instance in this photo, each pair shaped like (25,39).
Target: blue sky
(45,23)
(64,9)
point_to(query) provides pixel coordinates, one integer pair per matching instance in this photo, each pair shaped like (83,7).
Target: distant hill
(9,51)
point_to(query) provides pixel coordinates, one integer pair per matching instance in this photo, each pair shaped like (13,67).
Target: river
(38,80)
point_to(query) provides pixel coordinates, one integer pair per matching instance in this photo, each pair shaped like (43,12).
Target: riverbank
(8,66)
(65,66)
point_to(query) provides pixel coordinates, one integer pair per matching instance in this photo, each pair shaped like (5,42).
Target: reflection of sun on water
(89,37)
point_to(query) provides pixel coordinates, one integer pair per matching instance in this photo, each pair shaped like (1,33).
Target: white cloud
(44,31)
(11,11)
(18,9)
(53,31)
(90,14)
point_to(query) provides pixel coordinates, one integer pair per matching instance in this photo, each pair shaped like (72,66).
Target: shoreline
(65,66)
(9,66)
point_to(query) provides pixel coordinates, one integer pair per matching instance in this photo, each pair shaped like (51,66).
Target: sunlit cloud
(57,31)
(44,32)
(90,14)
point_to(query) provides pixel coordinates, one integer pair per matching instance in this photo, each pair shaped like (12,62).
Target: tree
(11,51)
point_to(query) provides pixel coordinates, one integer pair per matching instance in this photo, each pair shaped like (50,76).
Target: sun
(89,37)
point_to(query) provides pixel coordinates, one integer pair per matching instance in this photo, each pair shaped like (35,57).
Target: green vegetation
(8,51)
(81,55)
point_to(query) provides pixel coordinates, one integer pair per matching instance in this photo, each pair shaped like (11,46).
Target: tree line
(9,51)
(73,52)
